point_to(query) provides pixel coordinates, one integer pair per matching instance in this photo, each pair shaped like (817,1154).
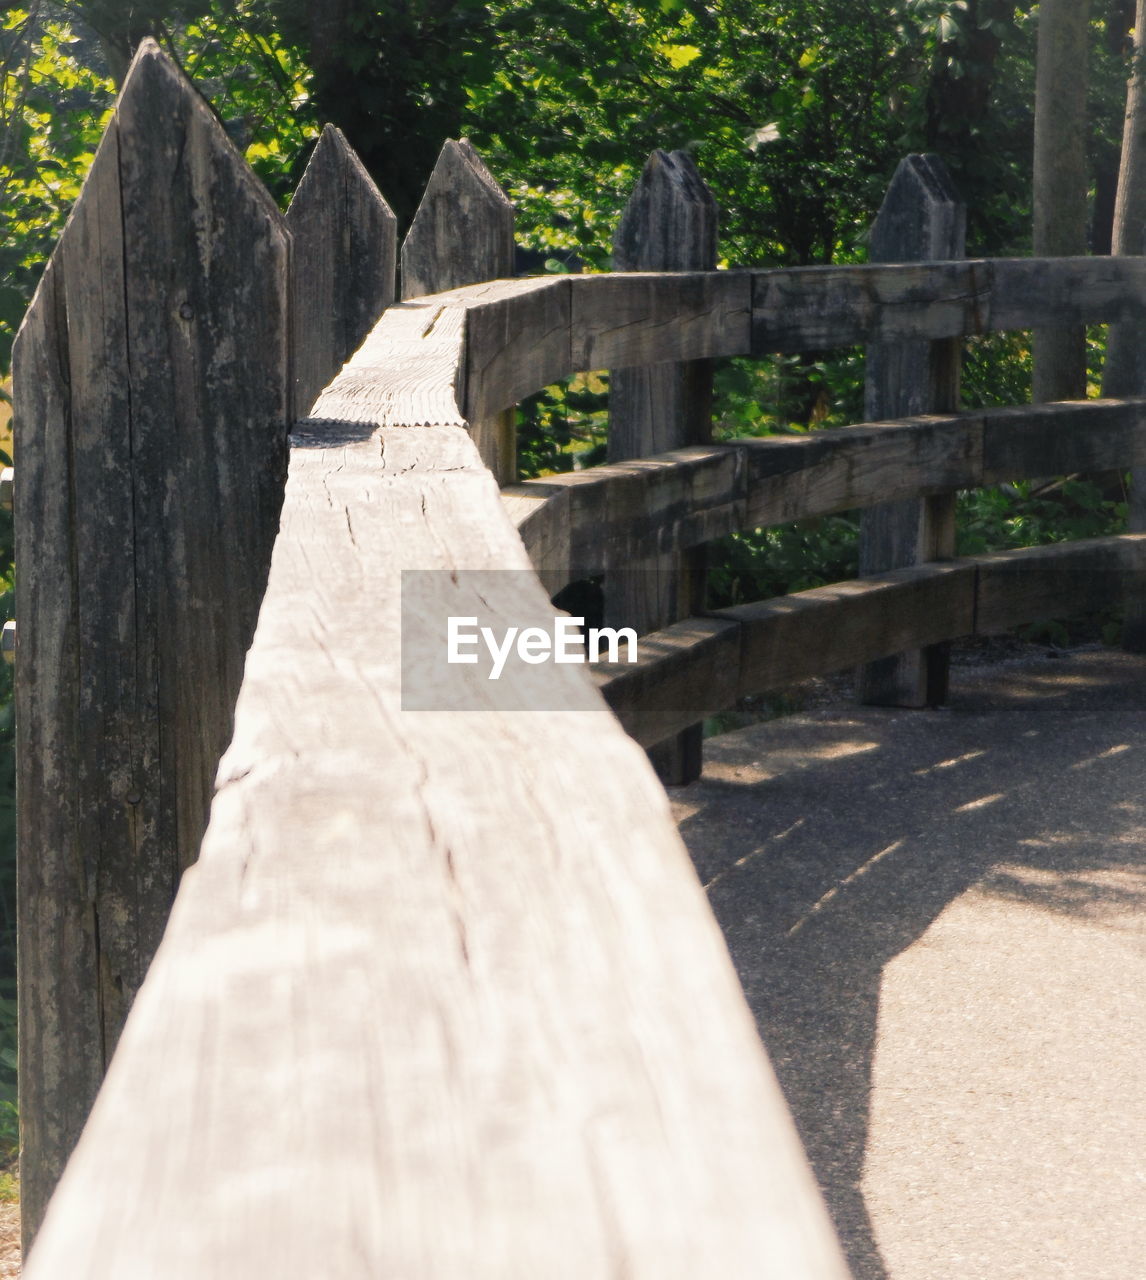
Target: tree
(1061,182)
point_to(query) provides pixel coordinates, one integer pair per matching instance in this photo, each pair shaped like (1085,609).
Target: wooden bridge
(440,993)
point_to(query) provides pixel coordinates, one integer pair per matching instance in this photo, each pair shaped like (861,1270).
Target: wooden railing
(442,995)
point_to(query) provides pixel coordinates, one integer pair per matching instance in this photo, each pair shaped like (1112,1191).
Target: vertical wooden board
(116,765)
(343,262)
(669,224)
(60,1057)
(206,286)
(921,218)
(462,234)
(153,403)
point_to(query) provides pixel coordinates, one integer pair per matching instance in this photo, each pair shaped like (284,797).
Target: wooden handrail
(443,994)
(476,351)
(584,523)
(703,665)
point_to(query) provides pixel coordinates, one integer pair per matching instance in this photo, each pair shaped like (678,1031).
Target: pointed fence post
(343,263)
(921,219)
(462,234)
(151,380)
(669,224)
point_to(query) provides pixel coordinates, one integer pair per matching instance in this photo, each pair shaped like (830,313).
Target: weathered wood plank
(174,478)
(517,341)
(686,671)
(584,523)
(431,968)
(1058,581)
(922,218)
(589,522)
(669,224)
(814,308)
(343,263)
(60,1015)
(1063,439)
(794,478)
(462,234)
(522,341)
(831,628)
(639,318)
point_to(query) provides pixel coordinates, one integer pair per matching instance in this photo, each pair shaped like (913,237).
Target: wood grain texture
(462,234)
(639,318)
(343,262)
(61,1061)
(686,671)
(526,334)
(921,218)
(169,442)
(443,996)
(1063,439)
(1041,583)
(584,523)
(815,308)
(669,224)
(851,468)
(832,628)
(698,667)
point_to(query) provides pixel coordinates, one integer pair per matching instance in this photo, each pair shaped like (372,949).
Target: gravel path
(940,921)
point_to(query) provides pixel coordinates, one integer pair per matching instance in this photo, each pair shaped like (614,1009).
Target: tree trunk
(1125,371)
(1060,182)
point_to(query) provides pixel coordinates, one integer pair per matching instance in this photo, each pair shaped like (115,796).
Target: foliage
(563,427)
(796,112)
(56,95)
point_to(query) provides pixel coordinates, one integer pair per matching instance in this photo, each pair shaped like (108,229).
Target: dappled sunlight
(754,854)
(861,870)
(939,921)
(950,764)
(1102,755)
(981,803)
(1110,896)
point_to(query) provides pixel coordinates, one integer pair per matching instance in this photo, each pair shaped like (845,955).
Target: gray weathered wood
(462,234)
(1058,581)
(814,308)
(585,523)
(699,667)
(443,996)
(640,318)
(343,262)
(149,495)
(525,334)
(921,218)
(669,224)
(588,522)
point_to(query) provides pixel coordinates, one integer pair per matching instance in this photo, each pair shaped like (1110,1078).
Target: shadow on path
(829,845)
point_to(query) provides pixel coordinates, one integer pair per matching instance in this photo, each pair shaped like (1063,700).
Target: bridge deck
(940,922)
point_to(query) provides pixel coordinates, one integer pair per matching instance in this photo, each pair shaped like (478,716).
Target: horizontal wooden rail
(702,665)
(443,995)
(588,522)
(469,353)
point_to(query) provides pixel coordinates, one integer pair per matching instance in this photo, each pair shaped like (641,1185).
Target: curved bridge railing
(442,995)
